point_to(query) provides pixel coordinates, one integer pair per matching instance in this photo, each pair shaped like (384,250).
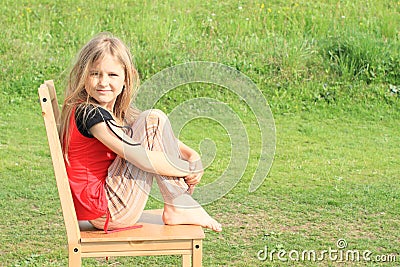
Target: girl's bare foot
(191,213)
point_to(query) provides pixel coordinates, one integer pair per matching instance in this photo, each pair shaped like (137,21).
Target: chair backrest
(51,115)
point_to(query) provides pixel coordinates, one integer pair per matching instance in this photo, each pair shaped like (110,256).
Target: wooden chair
(154,238)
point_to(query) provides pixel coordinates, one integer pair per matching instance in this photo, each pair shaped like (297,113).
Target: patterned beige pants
(128,187)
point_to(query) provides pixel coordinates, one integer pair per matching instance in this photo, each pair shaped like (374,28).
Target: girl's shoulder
(88,115)
(88,111)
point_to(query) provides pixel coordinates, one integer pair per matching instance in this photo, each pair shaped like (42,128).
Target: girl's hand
(195,166)
(195,177)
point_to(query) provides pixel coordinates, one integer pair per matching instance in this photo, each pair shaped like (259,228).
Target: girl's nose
(104,80)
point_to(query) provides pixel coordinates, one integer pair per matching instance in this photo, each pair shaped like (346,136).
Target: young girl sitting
(112,153)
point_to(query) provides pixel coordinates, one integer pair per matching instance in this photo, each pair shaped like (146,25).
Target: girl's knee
(152,114)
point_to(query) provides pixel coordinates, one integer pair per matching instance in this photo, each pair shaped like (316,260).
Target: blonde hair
(75,94)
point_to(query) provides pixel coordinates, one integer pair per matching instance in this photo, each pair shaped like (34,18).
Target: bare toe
(215,226)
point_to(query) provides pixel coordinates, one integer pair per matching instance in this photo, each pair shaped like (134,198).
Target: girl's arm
(149,161)
(188,153)
(194,160)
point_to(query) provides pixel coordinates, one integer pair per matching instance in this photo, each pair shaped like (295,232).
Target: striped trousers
(128,187)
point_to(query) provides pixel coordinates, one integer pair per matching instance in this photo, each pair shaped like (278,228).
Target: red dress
(88,165)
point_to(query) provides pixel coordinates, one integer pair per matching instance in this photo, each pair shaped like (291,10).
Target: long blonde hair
(75,94)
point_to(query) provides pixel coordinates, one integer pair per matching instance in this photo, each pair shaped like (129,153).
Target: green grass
(332,178)
(329,70)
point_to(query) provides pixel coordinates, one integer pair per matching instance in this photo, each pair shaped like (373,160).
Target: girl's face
(105,81)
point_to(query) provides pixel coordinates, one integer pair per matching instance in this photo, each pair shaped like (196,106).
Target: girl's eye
(114,74)
(94,74)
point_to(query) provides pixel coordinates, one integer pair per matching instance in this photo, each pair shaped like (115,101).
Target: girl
(112,153)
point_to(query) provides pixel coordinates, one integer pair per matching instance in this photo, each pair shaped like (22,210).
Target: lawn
(329,71)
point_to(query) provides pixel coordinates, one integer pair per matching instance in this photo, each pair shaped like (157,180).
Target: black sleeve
(86,116)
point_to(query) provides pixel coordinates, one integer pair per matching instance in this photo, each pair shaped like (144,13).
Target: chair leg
(197,253)
(74,257)
(186,260)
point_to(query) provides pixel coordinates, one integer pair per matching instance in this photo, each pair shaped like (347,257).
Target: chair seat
(153,229)
(154,238)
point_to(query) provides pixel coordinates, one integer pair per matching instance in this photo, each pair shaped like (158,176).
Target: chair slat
(64,191)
